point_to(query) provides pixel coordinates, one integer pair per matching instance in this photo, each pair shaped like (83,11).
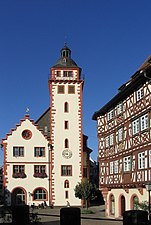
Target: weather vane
(27,110)
(65,38)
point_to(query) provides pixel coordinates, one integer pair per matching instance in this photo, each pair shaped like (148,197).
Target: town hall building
(45,160)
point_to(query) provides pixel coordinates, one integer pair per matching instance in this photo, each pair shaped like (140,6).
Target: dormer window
(139,93)
(119,108)
(110,115)
(67,73)
(58,73)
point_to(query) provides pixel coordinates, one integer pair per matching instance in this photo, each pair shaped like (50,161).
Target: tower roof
(65,60)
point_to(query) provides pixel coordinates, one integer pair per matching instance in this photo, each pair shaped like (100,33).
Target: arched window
(39,194)
(66,184)
(66,143)
(18,197)
(122,203)
(66,107)
(112,205)
(135,202)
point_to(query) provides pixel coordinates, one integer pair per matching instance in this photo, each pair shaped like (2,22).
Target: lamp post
(148,188)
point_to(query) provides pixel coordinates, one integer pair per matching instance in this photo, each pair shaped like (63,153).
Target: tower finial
(27,110)
(65,43)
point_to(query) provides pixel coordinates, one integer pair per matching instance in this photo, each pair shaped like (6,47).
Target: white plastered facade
(29,183)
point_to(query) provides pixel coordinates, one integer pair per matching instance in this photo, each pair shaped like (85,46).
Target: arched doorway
(18,197)
(112,205)
(135,202)
(122,205)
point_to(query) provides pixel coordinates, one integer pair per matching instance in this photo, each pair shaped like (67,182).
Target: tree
(85,191)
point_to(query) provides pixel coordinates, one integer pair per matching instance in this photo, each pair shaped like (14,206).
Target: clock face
(67,153)
(26,134)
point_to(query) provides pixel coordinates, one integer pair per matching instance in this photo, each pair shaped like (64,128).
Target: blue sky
(109,40)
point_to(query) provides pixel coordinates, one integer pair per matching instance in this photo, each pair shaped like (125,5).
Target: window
(67,73)
(66,107)
(120,134)
(39,169)
(135,202)
(111,167)
(18,151)
(141,160)
(140,124)
(110,114)
(119,108)
(60,89)
(116,166)
(66,194)
(144,122)
(66,170)
(127,163)
(18,169)
(109,140)
(39,194)
(66,184)
(66,125)
(139,93)
(149,158)
(112,205)
(66,143)
(135,126)
(18,196)
(58,73)
(39,152)
(71,89)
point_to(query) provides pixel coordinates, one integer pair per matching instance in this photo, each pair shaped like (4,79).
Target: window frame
(139,93)
(111,167)
(40,151)
(127,163)
(66,107)
(20,150)
(110,140)
(119,108)
(40,169)
(120,134)
(116,167)
(59,90)
(149,158)
(42,194)
(66,124)
(110,115)
(141,160)
(19,169)
(140,124)
(66,170)
(71,89)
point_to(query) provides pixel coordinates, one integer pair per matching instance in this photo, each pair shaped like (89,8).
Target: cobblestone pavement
(97,218)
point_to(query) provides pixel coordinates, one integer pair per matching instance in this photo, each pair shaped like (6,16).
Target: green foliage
(143,205)
(85,191)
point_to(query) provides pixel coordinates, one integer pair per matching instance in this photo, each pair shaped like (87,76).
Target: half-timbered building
(124,136)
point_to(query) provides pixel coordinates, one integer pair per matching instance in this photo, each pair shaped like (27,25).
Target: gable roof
(26,117)
(140,77)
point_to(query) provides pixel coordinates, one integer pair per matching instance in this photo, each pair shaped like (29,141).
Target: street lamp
(148,188)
